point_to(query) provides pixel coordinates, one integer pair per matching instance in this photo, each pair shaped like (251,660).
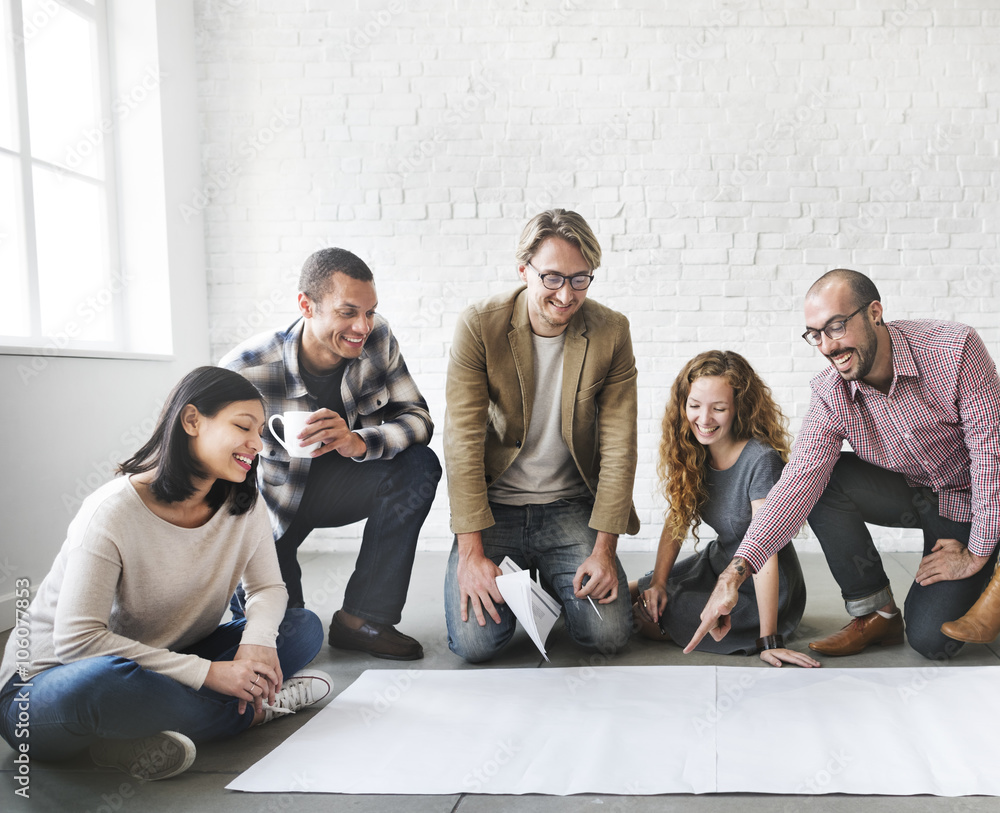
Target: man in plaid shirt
(340,362)
(919,403)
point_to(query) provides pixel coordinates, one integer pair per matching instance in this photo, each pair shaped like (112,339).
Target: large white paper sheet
(870,731)
(555,731)
(588,730)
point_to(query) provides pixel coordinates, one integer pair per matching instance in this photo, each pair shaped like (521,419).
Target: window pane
(8,95)
(77,296)
(15,319)
(64,110)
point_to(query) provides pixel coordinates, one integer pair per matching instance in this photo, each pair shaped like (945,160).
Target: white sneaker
(159,756)
(300,690)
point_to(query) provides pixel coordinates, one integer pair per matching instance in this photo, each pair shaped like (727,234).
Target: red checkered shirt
(938,426)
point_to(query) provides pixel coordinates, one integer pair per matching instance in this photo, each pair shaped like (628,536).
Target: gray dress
(692,580)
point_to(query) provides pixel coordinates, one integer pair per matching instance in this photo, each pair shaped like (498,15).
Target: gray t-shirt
(730,492)
(544,471)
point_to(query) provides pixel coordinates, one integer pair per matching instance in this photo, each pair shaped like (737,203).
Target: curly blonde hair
(682,460)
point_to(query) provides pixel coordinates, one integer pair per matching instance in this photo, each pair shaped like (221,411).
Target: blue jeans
(554,539)
(395,496)
(70,706)
(860,492)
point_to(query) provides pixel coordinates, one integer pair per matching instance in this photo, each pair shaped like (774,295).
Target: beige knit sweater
(131,584)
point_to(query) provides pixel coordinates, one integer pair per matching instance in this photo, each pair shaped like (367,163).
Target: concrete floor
(80,786)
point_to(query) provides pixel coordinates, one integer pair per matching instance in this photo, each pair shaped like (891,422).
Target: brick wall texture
(726,154)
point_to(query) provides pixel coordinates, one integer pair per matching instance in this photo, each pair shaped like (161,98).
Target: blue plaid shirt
(381,402)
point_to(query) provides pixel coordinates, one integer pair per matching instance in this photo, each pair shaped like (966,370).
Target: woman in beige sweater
(121,650)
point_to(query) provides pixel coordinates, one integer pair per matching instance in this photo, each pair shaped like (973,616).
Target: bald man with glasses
(919,403)
(540,445)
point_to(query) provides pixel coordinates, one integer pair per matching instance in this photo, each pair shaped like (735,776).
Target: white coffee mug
(292,424)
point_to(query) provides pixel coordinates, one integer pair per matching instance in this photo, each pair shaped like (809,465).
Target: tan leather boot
(982,623)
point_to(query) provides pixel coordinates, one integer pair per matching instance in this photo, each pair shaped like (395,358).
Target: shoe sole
(352,646)
(384,655)
(147,758)
(893,641)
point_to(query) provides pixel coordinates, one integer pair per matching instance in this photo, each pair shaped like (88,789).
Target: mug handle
(277,437)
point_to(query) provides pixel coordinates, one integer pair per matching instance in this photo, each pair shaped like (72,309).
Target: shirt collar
(903,365)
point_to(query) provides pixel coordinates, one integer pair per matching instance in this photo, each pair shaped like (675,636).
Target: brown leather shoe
(380,640)
(982,623)
(860,633)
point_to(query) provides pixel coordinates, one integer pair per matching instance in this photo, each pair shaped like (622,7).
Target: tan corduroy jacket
(490,390)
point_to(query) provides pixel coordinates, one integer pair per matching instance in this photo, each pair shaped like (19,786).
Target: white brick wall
(726,154)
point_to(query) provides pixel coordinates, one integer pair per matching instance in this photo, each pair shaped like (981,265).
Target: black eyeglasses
(834,330)
(578,282)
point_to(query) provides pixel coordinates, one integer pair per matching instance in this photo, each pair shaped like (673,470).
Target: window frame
(39,343)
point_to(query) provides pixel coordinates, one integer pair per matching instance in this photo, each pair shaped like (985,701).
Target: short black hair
(209,390)
(863,290)
(314,281)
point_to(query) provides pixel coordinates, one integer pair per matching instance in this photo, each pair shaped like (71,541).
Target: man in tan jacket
(540,445)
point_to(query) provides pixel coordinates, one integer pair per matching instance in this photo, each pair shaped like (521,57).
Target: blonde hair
(682,458)
(564,224)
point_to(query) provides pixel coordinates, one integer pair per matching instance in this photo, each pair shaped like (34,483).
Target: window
(63,285)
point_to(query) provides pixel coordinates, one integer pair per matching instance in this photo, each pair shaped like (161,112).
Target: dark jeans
(69,707)
(861,492)
(395,496)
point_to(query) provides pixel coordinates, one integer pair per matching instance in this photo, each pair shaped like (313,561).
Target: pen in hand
(584,584)
(595,608)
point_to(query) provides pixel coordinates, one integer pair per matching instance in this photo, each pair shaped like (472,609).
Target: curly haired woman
(723,447)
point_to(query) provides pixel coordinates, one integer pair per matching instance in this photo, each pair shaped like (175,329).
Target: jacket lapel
(519,337)
(574,352)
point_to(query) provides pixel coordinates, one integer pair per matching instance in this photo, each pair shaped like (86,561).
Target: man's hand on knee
(949,560)
(477,582)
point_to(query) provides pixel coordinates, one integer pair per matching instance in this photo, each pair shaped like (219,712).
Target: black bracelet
(770,642)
